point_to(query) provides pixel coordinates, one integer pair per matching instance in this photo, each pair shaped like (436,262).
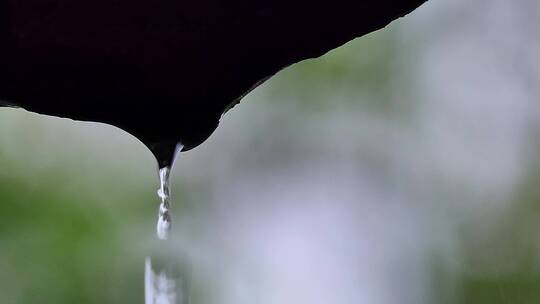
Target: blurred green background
(401,168)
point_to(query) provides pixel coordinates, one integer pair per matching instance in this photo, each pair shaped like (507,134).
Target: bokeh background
(403,167)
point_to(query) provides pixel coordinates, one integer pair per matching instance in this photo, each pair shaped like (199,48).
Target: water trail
(164,284)
(163,227)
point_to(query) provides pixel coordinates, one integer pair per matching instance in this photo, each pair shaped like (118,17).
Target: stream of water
(164,285)
(163,227)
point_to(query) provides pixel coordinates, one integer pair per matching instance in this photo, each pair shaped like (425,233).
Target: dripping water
(164,283)
(163,227)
